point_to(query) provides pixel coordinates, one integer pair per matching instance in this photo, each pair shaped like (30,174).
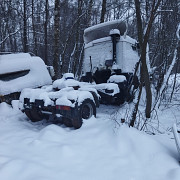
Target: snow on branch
(11,34)
(169,70)
(178,32)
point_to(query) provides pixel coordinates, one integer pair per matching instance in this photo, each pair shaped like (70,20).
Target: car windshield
(13,75)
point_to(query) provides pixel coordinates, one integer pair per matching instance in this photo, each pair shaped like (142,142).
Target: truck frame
(66,99)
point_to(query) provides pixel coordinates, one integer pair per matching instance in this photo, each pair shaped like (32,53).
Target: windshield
(13,75)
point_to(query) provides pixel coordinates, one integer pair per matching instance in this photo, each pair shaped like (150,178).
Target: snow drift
(98,151)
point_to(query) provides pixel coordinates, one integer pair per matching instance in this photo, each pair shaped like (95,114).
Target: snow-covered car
(19,71)
(65,98)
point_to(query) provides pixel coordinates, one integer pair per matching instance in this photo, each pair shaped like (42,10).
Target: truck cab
(109,51)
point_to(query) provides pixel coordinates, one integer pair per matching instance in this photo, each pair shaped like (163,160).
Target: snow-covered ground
(99,150)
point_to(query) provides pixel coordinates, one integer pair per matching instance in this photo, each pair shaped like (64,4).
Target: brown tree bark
(89,12)
(25,40)
(34,30)
(46,32)
(56,60)
(103,11)
(77,47)
(143,40)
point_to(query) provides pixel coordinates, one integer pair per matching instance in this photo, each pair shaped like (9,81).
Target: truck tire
(67,122)
(86,110)
(34,115)
(28,114)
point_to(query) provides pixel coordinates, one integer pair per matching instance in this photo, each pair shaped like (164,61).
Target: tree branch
(11,34)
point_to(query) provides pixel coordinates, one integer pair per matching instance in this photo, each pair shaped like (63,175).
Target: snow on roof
(8,57)
(102,30)
(128,39)
(12,63)
(124,38)
(37,76)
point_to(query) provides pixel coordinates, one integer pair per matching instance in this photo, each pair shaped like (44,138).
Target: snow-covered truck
(19,71)
(66,99)
(110,56)
(28,79)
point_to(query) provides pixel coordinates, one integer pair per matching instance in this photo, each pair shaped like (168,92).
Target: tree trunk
(89,12)
(34,30)
(146,80)
(103,11)
(143,40)
(56,60)
(46,33)
(25,41)
(77,47)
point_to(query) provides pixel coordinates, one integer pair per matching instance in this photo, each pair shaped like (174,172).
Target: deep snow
(99,150)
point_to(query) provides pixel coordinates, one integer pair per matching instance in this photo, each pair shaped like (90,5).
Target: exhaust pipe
(115,36)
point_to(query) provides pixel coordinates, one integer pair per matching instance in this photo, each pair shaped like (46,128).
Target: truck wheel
(28,114)
(34,115)
(67,122)
(86,110)
(37,115)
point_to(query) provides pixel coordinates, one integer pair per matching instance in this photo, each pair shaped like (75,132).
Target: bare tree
(103,11)
(25,40)
(46,32)
(56,61)
(77,36)
(89,12)
(167,75)
(143,40)
(34,30)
